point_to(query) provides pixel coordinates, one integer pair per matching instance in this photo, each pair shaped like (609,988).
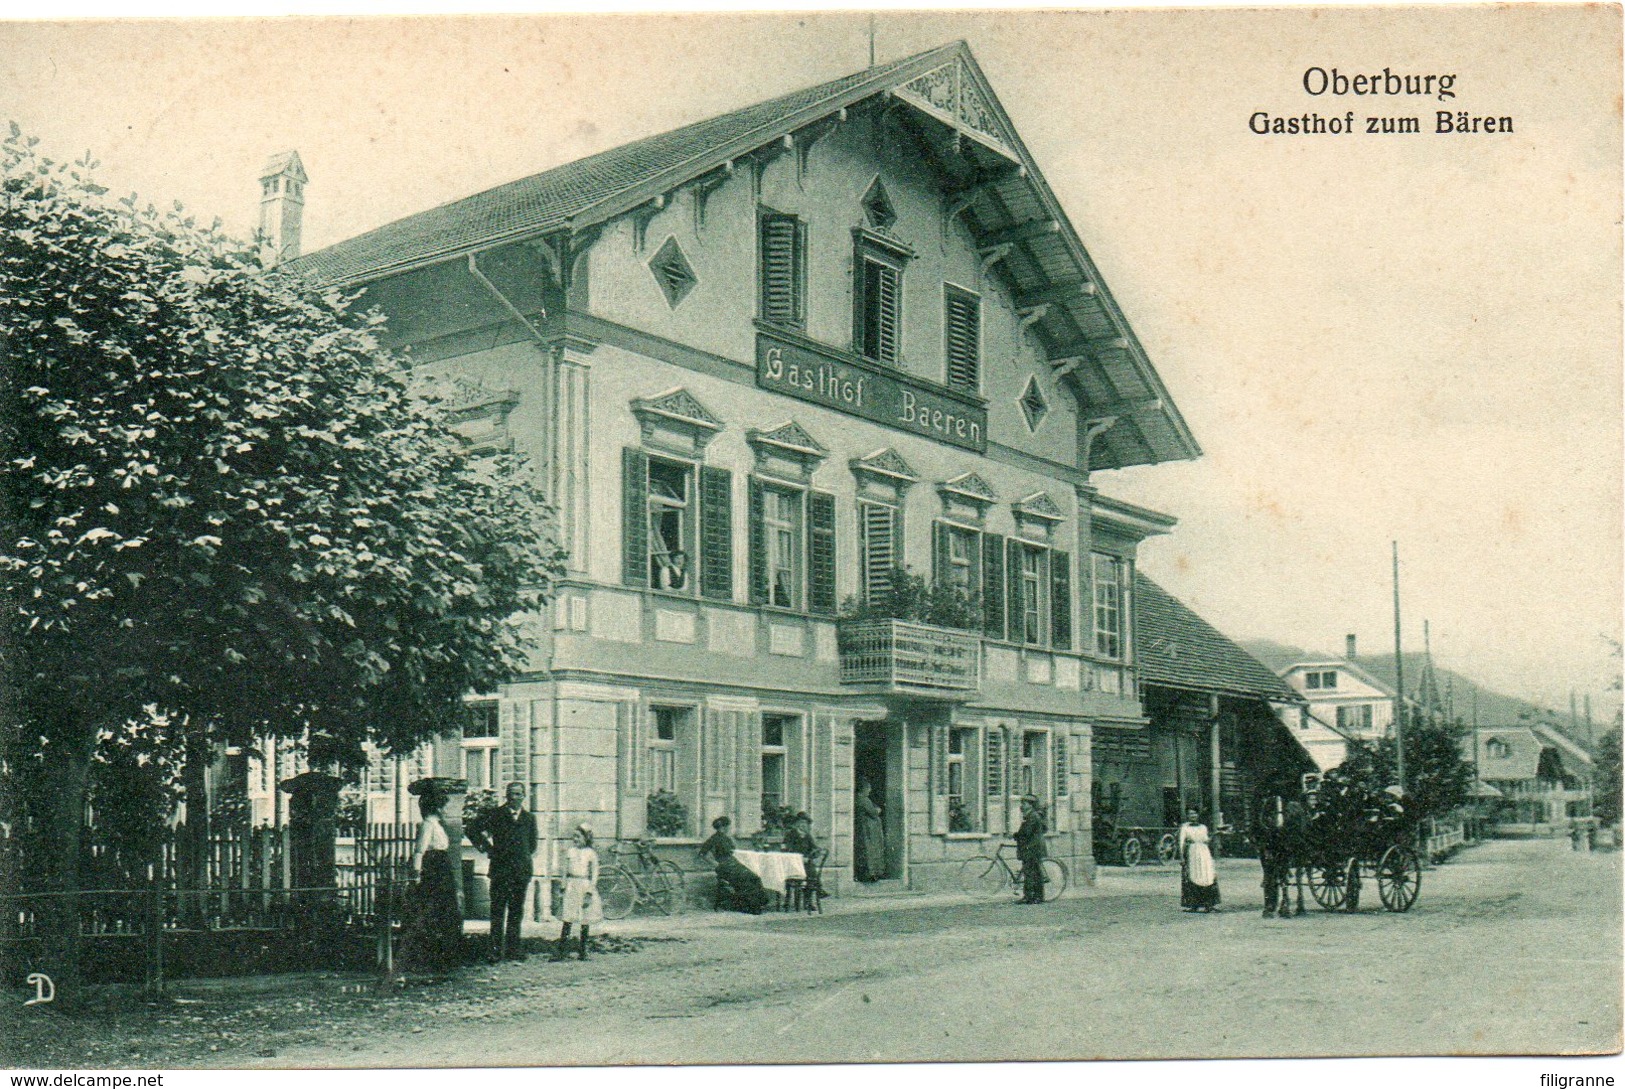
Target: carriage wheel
(1399,878)
(1131,851)
(1167,848)
(1327,884)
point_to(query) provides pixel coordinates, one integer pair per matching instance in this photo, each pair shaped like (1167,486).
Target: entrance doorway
(877,774)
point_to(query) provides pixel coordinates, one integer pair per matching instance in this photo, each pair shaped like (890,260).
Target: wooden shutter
(993,585)
(821,553)
(1063,766)
(941,563)
(1012,591)
(758,544)
(939,780)
(1060,600)
(962,326)
(781,269)
(880,525)
(880,309)
(995,763)
(716,533)
(634,517)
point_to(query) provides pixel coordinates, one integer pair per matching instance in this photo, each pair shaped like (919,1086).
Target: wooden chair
(802,894)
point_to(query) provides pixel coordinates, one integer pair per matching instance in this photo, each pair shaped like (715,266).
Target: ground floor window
(778,732)
(1035,764)
(673,746)
(964,808)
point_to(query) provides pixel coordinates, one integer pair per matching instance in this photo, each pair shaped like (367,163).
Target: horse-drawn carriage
(1344,835)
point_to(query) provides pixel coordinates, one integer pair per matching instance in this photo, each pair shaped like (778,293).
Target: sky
(1374,338)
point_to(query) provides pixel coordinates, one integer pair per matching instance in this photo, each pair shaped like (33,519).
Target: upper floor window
(670,508)
(1355,717)
(1497,748)
(962,338)
(962,335)
(782,263)
(881,527)
(1107,576)
(671,524)
(1326,679)
(781,515)
(1030,587)
(792,548)
(878,299)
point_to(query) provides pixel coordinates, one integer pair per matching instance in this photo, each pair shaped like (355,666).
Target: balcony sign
(895,400)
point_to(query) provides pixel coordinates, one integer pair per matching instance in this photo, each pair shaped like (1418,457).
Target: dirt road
(1512,947)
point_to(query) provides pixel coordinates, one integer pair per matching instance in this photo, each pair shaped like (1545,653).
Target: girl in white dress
(582,905)
(1198,880)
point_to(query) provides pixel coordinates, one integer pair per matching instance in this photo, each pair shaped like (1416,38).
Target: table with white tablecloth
(773,867)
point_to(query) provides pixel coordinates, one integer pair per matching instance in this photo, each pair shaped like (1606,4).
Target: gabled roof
(1006,204)
(1175,648)
(1522,759)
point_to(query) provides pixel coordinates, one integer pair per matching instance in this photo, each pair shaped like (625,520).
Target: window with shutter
(758,544)
(821,553)
(716,533)
(783,269)
(878,523)
(879,305)
(995,762)
(1063,767)
(962,329)
(634,517)
(1106,575)
(1060,571)
(993,586)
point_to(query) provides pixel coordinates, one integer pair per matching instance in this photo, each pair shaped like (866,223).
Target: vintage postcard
(824,537)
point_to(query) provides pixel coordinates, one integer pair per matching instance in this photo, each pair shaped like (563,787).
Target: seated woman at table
(749,895)
(799,839)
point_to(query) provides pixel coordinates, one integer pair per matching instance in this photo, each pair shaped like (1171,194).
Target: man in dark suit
(1030,850)
(507,835)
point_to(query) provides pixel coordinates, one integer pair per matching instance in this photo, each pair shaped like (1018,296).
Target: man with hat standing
(1030,850)
(507,835)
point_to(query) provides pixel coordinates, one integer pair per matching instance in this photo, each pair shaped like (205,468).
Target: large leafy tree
(225,503)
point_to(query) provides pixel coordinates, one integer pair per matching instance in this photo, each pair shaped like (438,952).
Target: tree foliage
(1437,777)
(1606,796)
(223,501)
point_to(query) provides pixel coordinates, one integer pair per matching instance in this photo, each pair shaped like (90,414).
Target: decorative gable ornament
(1039,509)
(967,495)
(478,413)
(676,421)
(951,94)
(787,450)
(883,475)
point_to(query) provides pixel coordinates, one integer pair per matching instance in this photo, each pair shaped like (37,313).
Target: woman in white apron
(1198,880)
(582,905)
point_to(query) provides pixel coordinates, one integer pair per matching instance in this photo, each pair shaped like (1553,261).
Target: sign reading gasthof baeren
(891,398)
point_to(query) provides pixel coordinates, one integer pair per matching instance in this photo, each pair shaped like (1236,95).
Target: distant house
(1543,776)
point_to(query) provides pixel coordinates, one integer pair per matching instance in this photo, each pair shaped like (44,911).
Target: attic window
(1497,748)
(672,272)
(1033,404)
(877,207)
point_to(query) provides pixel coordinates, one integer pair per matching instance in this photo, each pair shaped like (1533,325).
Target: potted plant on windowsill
(666,816)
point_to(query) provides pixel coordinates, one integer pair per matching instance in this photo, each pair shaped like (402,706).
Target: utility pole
(1590,740)
(1428,679)
(871,40)
(1399,678)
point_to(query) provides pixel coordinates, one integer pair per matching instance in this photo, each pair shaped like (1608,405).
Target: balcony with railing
(899,657)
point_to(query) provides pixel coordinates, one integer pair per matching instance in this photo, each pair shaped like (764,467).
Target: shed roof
(1176,648)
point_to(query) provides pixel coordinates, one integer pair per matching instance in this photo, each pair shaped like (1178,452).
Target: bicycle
(648,880)
(991,875)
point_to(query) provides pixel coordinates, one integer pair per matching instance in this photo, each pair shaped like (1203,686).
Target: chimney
(282,208)
(1348,646)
